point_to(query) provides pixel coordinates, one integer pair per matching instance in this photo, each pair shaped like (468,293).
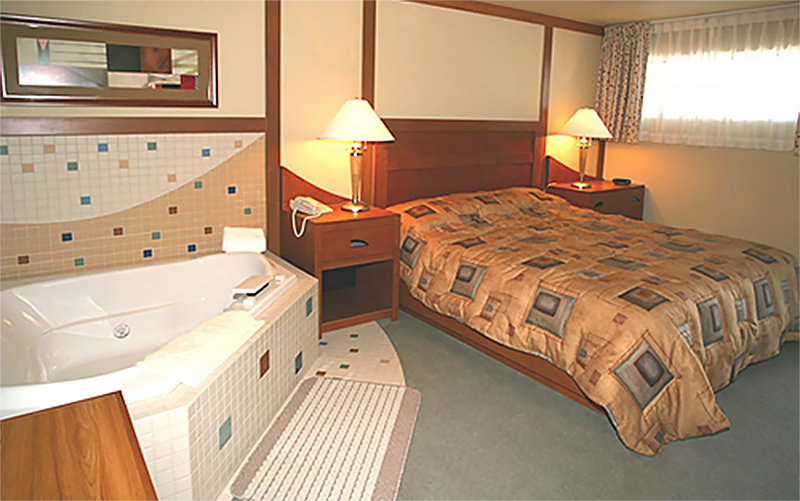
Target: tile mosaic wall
(73,203)
(180,433)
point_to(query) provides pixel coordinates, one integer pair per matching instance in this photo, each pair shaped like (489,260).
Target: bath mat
(335,439)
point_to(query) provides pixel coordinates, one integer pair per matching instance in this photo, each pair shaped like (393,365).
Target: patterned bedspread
(649,320)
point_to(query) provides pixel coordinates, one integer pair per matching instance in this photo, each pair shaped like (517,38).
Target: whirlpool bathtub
(68,339)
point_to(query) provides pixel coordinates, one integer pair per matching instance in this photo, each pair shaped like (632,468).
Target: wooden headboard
(436,157)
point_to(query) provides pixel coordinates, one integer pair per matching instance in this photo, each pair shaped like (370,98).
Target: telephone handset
(308,206)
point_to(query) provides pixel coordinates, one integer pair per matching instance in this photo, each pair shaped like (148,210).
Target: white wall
(320,70)
(433,62)
(240,50)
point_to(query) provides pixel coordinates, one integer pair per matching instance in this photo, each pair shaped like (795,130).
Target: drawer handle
(636,199)
(598,205)
(358,243)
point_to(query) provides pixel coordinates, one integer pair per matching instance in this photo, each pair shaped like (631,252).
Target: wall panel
(433,62)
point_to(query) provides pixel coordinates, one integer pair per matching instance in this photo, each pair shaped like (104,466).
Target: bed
(638,321)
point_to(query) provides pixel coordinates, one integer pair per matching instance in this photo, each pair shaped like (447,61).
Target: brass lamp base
(355,207)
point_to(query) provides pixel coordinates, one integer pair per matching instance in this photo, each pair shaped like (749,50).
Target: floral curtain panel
(797,137)
(726,80)
(620,81)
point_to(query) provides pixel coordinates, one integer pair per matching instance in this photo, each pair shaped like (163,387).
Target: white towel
(192,356)
(243,240)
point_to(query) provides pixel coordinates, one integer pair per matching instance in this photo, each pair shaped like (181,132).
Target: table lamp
(358,123)
(585,124)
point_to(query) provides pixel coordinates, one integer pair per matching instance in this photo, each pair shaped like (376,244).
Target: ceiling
(612,12)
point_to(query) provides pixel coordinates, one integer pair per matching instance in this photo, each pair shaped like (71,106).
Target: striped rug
(335,439)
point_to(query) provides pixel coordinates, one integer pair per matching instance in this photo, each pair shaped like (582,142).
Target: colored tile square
(248,211)
(231,190)
(191,248)
(146,253)
(156,235)
(225,432)
(320,373)
(102,147)
(205,152)
(354,335)
(49,149)
(172,210)
(152,146)
(208,230)
(171,178)
(263,364)
(385,361)
(309,306)
(298,363)
(86,200)
(344,366)
(66,237)
(23,259)
(124,164)
(118,231)
(323,343)
(238,143)
(78,261)
(28,168)
(353,350)
(198,185)
(3,149)
(72,166)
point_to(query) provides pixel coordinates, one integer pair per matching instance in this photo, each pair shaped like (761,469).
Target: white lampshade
(357,121)
(586,123)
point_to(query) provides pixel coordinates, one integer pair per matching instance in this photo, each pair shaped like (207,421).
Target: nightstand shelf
(355,259)
(604,196)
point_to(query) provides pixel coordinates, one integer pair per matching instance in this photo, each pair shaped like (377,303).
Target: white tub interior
(58,337)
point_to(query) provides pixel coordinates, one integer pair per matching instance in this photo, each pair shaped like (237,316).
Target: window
(725,80)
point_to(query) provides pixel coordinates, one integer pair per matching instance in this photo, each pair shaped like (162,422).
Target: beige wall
(573,82)
(747,194)
(240,28)
(320,70)
(433,62)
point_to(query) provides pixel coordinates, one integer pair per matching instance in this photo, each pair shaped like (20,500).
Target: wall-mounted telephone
(308,206)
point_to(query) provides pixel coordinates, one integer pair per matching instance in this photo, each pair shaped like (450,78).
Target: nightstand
(604,196)
(355,258)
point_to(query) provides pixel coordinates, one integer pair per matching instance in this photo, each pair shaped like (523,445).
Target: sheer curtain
(726,80)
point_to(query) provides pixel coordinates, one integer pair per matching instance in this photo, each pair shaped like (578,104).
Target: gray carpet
(485,431)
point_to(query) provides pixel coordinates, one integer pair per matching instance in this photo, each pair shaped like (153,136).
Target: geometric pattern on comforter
(649,320)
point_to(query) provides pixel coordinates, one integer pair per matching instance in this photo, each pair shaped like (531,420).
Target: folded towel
(192,356)
(243,240)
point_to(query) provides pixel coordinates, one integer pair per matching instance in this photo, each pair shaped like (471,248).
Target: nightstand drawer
(604,197)
(627,203)
(352,241)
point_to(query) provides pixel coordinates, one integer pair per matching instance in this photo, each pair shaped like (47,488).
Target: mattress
(650,321)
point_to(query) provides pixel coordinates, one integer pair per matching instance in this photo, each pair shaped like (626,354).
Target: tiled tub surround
(194,438)
(71,203)
(143,329)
